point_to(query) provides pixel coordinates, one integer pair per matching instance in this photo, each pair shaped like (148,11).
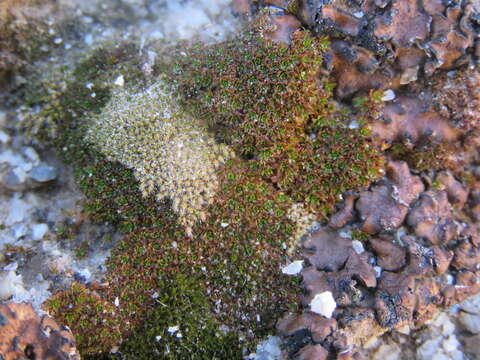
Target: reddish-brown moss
(270,103)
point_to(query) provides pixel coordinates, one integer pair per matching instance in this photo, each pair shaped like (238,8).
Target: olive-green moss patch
(183,309)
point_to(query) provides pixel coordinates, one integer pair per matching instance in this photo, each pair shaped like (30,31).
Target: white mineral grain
(388,95)
(173,329)
(358,247)
(471,305)
(293,268)
(471,322)
(268,349)
(4,137)
(323,304)
(39,231)
(119,81)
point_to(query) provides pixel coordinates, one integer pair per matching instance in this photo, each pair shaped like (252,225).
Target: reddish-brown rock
(456,191)
(319,326)
(312,352)
(384,207)
(326,250)
(23,334)
(404,23)
(467,256)
(428,299)
(432,218)
(345,215)
(390,256)
(441,259)
(407,120)
(395,299)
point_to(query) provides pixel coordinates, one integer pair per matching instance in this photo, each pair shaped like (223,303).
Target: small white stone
(358,14)
(471,305)
(293,268)
(10,283)
(451,343)
(405,330)
(11,267)
(179,335)
(224,225)
(427,350)
(88,39)
(173,329)
(470,321)
(87,275)
(353,125)
(39,231)
(19,230)
(388,95)
(58,40)
(158,338)
(4,137)
(119,81)
(117,302)
(323,304)
(31,154)
(358,247)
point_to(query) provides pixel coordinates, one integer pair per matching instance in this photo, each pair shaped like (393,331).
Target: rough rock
(408,119)
(456,191)
(345,215)
(432,218)
(312,352)
(390,256)
(24,334)
(471,322)
(385,206)
(395,299)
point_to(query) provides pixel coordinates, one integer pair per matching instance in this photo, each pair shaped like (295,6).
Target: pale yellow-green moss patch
(172,154)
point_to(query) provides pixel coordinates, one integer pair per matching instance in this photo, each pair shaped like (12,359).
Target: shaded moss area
(270,103)
(181,305)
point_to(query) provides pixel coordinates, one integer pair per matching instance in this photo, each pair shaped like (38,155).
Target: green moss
(425,156)
(85,313)
(182,303)
(268,102)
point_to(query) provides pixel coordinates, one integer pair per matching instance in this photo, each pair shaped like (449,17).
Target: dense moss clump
(178,329)
(222,285)
(270,103)
(86,310)
(172,154)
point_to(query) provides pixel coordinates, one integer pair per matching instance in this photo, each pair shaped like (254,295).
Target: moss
(268,101)
(425,156)
(182,304)
(245,238)
(85,312)
(296,148)
(23,33)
